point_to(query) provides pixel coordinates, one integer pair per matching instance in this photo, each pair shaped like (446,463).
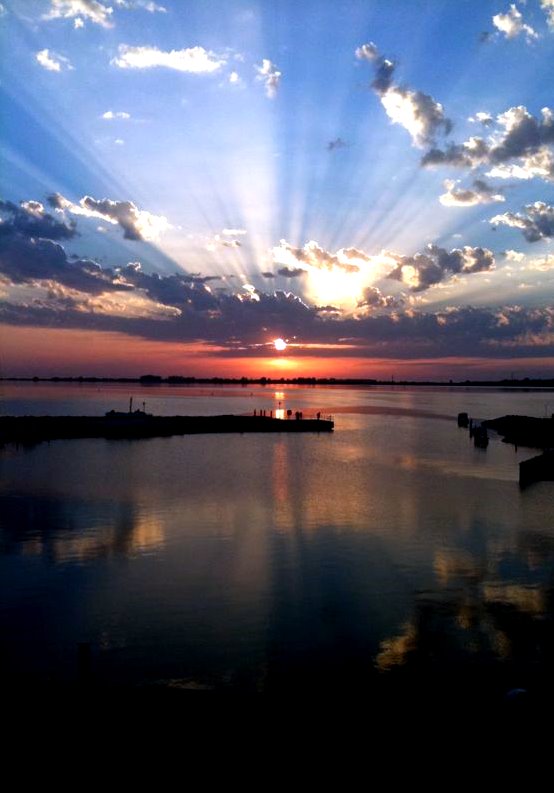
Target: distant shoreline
(154,380)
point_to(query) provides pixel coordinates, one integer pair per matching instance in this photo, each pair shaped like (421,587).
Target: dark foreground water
(390,555)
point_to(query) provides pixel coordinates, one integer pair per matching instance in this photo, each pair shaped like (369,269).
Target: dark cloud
(536,224)
(242,322)
(521,150)
(337,143)
(30,219)
(480,193)
(180,290)
(268,274)
(137,224)
(316,256)
(373,298)
(291,272)
(435,264)
(25,260)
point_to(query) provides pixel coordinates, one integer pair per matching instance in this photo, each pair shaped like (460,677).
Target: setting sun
(280,345)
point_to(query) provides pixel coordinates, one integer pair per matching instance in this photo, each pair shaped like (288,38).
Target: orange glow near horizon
(50,352)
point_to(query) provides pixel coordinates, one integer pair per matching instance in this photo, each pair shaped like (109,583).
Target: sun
(280,344)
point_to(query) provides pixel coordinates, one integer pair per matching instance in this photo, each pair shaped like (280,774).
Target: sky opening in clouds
(182,183)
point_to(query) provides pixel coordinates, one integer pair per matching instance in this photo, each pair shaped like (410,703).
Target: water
(389,552)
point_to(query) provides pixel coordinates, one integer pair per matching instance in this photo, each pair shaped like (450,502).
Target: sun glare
(280,345)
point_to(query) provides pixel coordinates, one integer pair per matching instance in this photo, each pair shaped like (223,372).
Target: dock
(34,429)
(537,433)
(537,469)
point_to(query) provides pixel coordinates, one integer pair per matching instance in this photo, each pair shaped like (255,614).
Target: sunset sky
(185,181)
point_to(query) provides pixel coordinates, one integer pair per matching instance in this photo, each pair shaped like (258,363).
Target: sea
(387,558)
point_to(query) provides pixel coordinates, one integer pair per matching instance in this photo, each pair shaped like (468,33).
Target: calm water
(391,550)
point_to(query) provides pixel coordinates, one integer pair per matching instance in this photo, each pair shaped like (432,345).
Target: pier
(537,469)
(34,429)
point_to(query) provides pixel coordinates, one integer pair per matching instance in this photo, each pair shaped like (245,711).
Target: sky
(185,181)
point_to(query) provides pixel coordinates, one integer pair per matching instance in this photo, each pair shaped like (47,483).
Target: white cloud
(234,232)
(137,224)
(512,25)
(270,76)
(234,79)
(538,165)
(514,256)
(418,113)
(481,118)
(548,8)
(193,60)
(543,263)
(91,10)
(367,52)
(421,115)
(52,62)
(144,5)
(110,114)
(480,193)
(537,224)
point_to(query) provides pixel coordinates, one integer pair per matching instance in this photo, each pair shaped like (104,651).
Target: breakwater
(536,433)
(33,429)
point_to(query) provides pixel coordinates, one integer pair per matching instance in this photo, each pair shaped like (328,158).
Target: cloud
(519,147)
(137,224)
(373,298)
(424,270)
(217,239)
(270,76)
(143,5)
(234,79)
(53,62)
(239,323)
(291,272)
(482,193)
(548,8)
(367,52)
(421,115)
(193,60)
(109,115)
(91,10)
(45,287)
(481,118)
(537,224)
(314,255)
(513,256)
(267,274)
(234,232)
(542,264)
(418,113)
(337,143)
(30,219)
(511,24)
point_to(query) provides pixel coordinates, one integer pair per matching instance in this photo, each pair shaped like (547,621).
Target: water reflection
(65,531)
(385,554)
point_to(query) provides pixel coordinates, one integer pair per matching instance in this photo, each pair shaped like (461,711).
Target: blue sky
(262,145)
